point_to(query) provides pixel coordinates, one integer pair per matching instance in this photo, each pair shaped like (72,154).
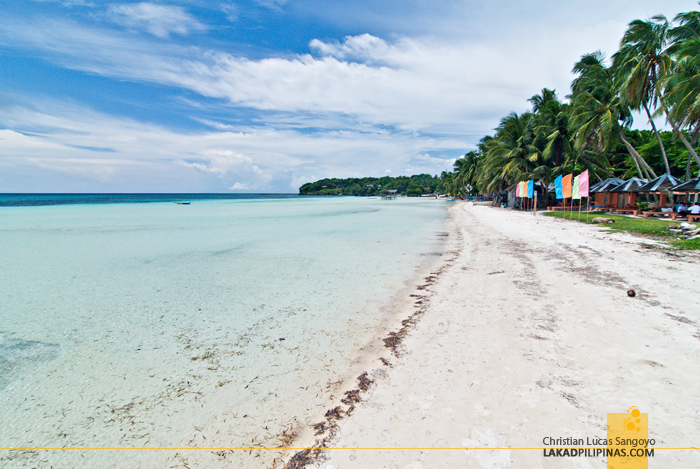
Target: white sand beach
(527,333)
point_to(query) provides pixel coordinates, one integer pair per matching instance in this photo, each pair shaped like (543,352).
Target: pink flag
(517,190)
(583,184)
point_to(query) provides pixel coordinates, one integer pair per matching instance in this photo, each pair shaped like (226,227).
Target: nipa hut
(603,196)
(661,185)
(627,192)
(689,187)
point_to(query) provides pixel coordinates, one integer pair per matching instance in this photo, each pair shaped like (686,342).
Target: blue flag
(530,188)
(559,187)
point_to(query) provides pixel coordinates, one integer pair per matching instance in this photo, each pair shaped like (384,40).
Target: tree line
(656,72)
(405,185)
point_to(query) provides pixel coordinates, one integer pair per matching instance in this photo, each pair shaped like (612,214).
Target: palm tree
(465,169)
(552,125)
(598,115)
(681,99)
(510,155)
(552,137)
(640,64)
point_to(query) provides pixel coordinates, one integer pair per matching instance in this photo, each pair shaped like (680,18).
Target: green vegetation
(405,185)
(645,226)
(655,72)
(687,244)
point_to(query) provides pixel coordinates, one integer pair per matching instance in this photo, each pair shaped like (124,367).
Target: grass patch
(646,226)
(653,227)
(686,244)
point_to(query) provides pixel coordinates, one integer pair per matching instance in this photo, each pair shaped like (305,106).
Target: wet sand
(527,332)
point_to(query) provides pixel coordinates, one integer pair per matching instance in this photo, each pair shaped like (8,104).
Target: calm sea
(220,323)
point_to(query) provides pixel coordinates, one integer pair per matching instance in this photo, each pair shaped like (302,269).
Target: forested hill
(405,185)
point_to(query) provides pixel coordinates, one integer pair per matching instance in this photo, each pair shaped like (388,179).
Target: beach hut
(603,197)
(627,193)
(661,185)
(692,185)
(389,194)
(688,187)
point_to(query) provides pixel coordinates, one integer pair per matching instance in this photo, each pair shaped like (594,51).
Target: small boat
(182,203)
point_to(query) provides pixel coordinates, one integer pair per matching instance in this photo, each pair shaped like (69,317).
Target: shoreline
(529,333)
(375,357)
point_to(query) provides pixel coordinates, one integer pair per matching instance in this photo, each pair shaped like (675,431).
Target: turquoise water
(215,324)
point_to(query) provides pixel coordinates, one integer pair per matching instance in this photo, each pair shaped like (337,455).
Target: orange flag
(566,186)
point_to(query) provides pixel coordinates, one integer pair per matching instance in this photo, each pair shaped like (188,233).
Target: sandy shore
(528,332)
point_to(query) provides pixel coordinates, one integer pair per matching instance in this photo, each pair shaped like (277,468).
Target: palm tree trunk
(696,135)
(658,138)
(639,161)
(685,141)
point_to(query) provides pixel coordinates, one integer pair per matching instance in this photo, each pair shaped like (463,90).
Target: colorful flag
(530,188)
(558,187)
(517,189)
(522,188)
(566,186)
(583,184)
(575,189)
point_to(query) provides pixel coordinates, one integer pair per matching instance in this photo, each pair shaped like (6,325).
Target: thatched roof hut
(389,194)
(606,185)
(603,197)
(627,192)
(693,185)
(661,183)
(631,185)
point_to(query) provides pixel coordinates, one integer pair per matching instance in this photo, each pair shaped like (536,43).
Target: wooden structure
(603,197)
(673,215)
(691,186)
(661,185)
(623,198)
(390,194)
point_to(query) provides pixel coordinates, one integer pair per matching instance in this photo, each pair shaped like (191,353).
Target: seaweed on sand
(329,426)
(364,382)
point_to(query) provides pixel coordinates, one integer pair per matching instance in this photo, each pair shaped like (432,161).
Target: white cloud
(159,20)
(462,86)
(364,47)
(272,4)
(55,139)
(239,186)
(231,11)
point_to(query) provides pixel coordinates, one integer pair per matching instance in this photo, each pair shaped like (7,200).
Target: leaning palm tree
(598,115)
(681,98)
(640,64)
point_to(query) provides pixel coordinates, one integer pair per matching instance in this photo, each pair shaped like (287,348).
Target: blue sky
(264,95)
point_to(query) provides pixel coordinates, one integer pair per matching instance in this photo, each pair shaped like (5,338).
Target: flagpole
(534,207)
(579,209)
(588,207)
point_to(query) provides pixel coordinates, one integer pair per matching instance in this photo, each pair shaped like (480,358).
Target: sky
(265,95)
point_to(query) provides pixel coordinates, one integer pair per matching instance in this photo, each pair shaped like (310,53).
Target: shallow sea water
(216,324)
